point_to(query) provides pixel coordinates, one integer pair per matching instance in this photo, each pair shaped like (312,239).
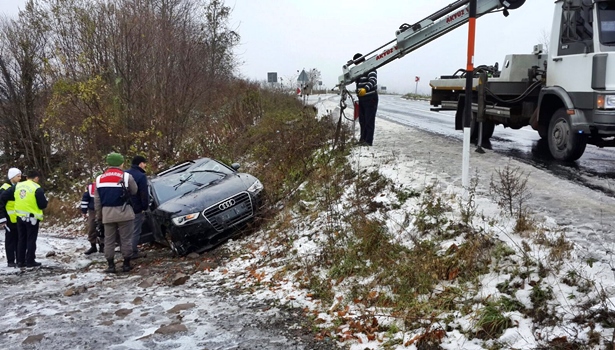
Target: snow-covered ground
(70,303)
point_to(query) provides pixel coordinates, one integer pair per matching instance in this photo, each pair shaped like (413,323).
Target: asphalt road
(595,169)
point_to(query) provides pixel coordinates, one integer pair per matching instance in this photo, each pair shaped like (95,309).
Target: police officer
(113,190)
(87,210)
(30,201)
(140,202)
(8,218)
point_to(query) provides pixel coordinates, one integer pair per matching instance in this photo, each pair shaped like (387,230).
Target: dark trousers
(136,232)
(124,231)
(368,105)
(90,225)
(10,241)
(26,241)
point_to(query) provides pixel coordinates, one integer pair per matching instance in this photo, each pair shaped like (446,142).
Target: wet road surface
(595,169)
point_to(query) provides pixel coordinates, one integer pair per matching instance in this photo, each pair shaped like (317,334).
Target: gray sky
(284,36)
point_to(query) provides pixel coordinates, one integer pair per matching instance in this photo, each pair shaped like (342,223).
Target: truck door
(572,51)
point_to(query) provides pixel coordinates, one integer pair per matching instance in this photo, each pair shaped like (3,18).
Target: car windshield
(201,175)
(606,16)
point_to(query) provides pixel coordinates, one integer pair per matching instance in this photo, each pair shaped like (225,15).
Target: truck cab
(577,104)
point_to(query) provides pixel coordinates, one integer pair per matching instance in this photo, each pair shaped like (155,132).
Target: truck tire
(543,132)
(488,128)
(564,144)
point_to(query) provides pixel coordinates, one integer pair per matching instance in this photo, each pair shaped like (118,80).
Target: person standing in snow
(140,201)
(111,196)
(367,92)
(87,210)
(8,219)
(30,201)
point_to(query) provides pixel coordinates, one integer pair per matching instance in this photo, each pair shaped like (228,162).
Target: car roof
(182,166)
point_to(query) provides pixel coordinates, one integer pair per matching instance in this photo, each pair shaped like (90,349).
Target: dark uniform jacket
(109,202)
(140,201)
(87,200)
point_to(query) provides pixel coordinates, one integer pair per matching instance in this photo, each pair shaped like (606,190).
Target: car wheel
(176,248)
(565,144)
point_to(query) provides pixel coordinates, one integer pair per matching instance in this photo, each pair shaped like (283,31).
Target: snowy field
(70,303)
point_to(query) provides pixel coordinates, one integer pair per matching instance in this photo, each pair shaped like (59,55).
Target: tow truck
(567,94)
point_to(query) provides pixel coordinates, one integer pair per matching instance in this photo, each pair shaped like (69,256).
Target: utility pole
(467,113)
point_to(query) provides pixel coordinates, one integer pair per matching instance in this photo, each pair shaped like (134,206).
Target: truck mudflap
(578,121)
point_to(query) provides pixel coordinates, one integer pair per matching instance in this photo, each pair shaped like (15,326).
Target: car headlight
(606,102)
(180,220)
(256,187)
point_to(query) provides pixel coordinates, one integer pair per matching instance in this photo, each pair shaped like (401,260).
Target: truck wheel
(543,132)
(488,128)
(564,144)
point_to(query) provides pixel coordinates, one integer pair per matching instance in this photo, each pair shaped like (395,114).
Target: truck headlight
(180,220)
(605,102)
(256,187)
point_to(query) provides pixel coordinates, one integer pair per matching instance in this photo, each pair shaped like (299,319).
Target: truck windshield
(606,16)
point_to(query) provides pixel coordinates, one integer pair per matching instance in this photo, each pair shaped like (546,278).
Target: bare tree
(545,39)
(137,75)
(314,77)
(23,89)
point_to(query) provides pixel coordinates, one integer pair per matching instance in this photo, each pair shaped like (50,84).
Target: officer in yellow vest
(30,201)
(8,218)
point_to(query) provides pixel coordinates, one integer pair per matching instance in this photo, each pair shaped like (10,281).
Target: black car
(198,204)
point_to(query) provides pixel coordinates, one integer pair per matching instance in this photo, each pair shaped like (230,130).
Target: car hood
(209,195)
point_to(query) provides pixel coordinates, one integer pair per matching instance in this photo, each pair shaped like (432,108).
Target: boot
(126,266)
(111,268)
(91,250)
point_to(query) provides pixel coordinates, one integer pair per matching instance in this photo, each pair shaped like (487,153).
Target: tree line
(79,78)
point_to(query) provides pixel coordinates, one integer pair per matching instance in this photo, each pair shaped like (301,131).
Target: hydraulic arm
(411,37)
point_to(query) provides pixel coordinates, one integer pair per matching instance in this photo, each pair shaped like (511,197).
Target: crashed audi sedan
(198,204)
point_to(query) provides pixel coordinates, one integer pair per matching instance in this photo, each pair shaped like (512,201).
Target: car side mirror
(235,166)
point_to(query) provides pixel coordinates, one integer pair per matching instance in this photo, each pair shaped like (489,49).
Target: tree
(151,68)
(314,77)
(84,77)
(23,90)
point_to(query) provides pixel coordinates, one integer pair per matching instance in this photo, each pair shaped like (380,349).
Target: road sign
(272,77)
(303,77)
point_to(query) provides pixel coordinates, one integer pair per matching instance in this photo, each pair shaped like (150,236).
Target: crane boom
(411,37)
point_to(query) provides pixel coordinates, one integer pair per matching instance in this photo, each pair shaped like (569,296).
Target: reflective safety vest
(25,200)
(10,205)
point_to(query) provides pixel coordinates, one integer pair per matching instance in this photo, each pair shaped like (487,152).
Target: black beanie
(138,160)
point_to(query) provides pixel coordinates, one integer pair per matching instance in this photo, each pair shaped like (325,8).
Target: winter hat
(14,172)
(138,160)
(115,159)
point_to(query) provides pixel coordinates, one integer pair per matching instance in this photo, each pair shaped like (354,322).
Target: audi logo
(229,203)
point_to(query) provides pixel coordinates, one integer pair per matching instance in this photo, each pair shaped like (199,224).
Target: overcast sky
(284,36)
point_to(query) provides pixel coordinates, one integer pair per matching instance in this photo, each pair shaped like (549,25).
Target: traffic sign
(303,77)
(272,77)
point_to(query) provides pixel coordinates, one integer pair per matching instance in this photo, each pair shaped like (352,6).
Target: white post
(465,166)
